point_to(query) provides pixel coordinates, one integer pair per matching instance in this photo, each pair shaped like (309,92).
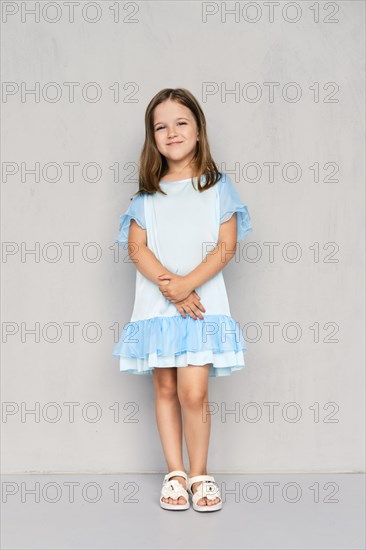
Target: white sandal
(209,489)
(173,489)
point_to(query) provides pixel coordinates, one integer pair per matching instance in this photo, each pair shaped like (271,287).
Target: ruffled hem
(217,362)
(161,342)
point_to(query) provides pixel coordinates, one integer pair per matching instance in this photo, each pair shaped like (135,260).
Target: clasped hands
(178,291)
(174,287)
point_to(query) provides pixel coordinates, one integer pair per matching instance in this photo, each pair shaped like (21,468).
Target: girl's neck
(175,175)
(178,175)
(180,172)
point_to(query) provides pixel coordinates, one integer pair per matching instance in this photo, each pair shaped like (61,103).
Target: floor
(261,511)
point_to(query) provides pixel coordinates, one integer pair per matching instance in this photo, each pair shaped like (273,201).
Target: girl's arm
(145,260)
(219,257)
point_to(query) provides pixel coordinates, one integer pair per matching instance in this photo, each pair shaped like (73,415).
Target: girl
(181,232)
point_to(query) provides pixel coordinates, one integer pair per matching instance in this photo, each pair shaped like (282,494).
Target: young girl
(181,232)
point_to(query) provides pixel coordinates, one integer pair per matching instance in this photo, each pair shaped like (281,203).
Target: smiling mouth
(175,143)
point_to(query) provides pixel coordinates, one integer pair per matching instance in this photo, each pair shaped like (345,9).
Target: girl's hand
(191,305)
(174,287)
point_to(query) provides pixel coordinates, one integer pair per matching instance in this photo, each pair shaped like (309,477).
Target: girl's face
(175,131)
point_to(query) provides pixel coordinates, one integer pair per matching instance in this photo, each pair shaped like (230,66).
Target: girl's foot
(204,501)
(180,500)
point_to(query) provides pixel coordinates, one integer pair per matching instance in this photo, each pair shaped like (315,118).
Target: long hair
(153,165)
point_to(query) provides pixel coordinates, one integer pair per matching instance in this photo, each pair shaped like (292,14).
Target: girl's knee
(165,381)
(192,398)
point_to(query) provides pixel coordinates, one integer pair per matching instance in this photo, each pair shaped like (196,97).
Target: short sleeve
(135,211)
(230,202)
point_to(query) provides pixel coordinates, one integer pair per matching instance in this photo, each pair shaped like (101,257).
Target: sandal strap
(177,473)
(173,489)
(207,489)
(202,477)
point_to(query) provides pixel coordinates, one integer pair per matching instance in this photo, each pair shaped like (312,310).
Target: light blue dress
(182,227)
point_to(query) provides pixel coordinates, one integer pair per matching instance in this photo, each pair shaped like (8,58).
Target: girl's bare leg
(193,396)
(169,422)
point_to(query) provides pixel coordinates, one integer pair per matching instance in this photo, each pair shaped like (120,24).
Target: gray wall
(311,211)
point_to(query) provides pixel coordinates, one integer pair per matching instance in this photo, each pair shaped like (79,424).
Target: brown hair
(153,165)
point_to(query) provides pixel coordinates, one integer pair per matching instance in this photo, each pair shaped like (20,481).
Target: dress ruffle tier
(176,341)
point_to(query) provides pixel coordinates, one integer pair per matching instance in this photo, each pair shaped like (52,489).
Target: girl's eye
(161,127)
